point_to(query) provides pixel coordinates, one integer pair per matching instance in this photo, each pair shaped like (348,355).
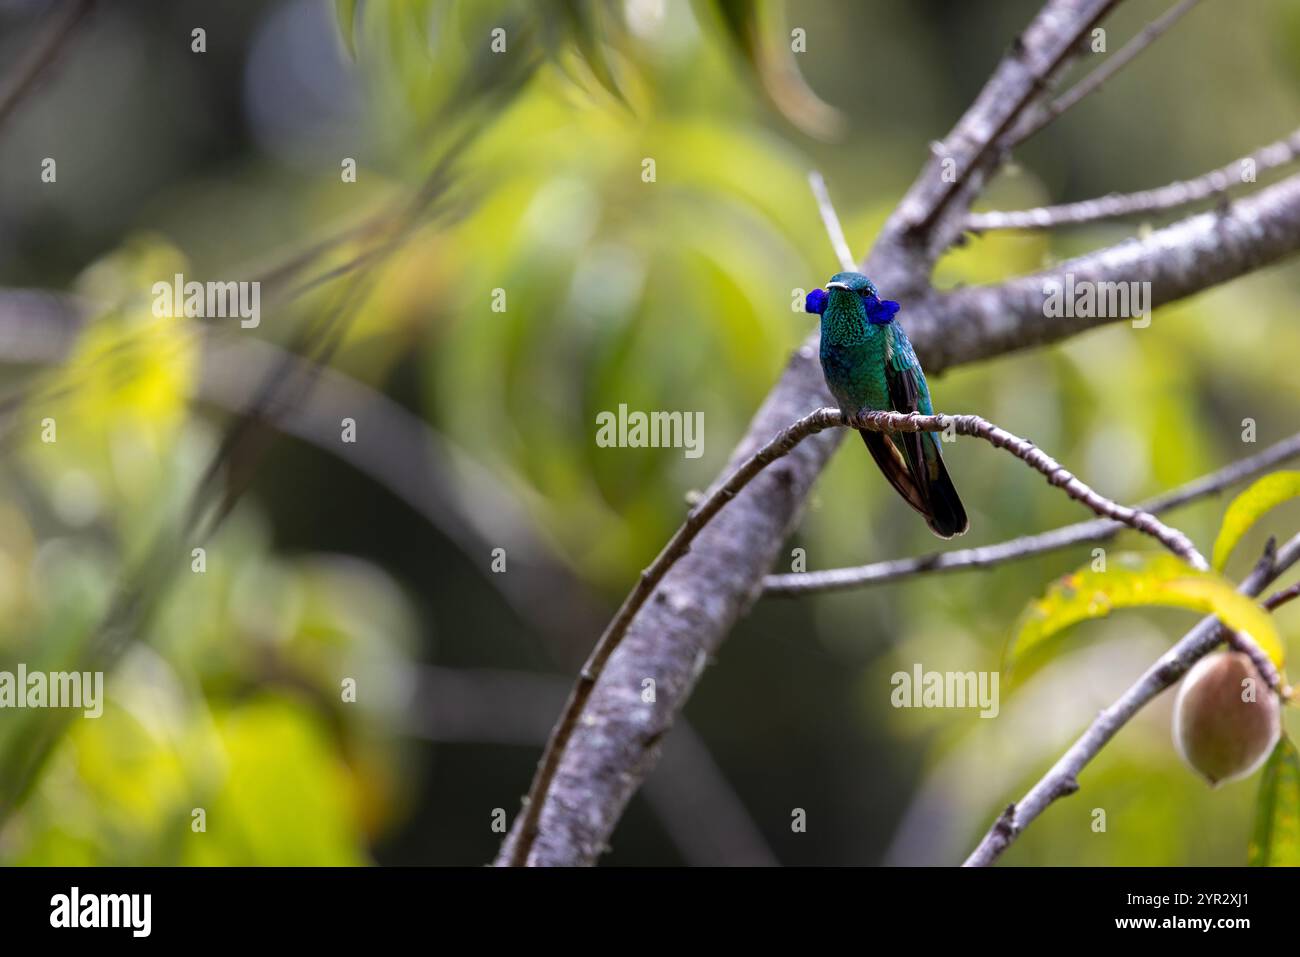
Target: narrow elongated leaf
(1275,841)
(747,25)
(346,10)
(1132,581)
(421,12)
(1269,492)
(589,31)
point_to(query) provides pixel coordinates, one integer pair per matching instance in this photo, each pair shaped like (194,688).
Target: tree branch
(516,852)
(518,844)
(831,221)
(1193,254)
(986,556)
(1056,474)
(1149,34)
(971,148)
(692,798)
(1278,599)
(43,52)
(1062,779)
(1119,205)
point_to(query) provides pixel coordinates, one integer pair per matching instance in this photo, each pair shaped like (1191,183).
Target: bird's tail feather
(924,485)
(947,516)
(894,465)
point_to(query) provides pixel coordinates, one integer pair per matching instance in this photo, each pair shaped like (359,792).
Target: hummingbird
(869,364)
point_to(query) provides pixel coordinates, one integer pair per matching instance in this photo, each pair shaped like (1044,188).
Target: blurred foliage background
(681,293)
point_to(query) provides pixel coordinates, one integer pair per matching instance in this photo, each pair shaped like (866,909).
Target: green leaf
(346,11)
(1269,492)
(421,13)
(759,34)
(583,19)
(287,796)
(1275,841)
(1135,580)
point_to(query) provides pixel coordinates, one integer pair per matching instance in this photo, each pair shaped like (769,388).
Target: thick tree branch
(1181,259)
(692,798)
(1119,205)
(986,556)
(1062,779)
(515,851)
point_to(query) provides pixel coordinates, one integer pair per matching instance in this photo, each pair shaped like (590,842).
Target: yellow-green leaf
(346,10)
(1131,581)
(287,797)
(1269,492)
(1276,838)
(587,30)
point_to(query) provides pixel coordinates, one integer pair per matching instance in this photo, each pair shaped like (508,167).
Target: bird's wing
(909,393)
(894,464)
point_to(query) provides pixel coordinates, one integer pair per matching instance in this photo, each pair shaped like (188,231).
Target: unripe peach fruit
(1226,717)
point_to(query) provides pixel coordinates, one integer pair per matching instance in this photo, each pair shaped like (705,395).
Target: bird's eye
(815,302)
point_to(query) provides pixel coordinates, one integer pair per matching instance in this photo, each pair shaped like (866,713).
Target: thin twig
(986,556)
(1118,205)
(517,853)
(44,52)
(1280,598)
(1062,779)
(833,228)
(1246,644)
(1056,474)
(1149,34)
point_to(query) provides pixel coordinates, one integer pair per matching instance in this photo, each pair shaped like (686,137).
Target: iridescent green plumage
(869,364)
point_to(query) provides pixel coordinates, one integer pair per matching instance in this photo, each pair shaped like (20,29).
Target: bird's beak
(837,285)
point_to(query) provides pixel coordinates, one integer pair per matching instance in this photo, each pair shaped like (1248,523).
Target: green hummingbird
(870,365)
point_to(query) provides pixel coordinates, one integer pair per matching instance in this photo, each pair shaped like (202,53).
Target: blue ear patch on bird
(880,311)
(815,302)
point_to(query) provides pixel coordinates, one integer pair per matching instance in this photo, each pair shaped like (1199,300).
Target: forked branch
(1026,546)
(517,848)
(1062,779)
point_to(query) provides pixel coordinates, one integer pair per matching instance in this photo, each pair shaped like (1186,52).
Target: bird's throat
(845,323)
